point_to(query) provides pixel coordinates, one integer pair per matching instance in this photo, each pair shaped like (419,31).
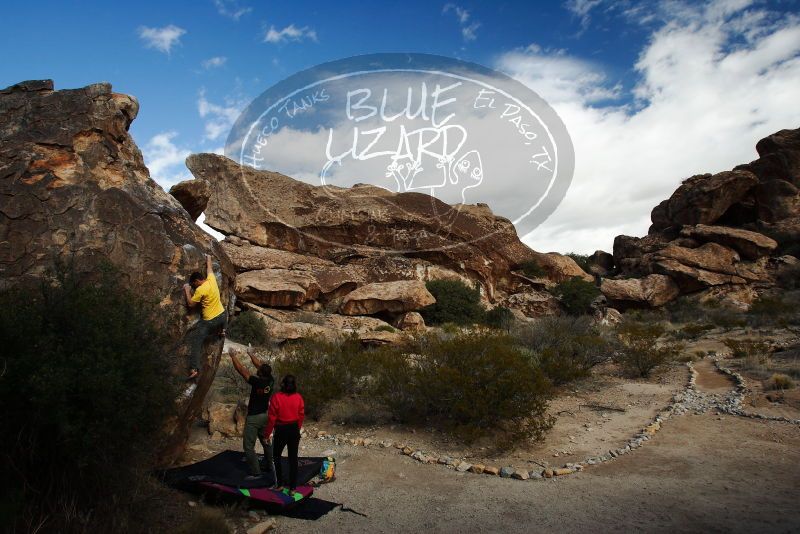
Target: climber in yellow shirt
(214,318)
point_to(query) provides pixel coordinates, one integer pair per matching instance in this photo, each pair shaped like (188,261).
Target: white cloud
(166,160)
(214,62)
(712,81)
(219,117)
(161,39)
(468,28)
(231,9)
(582,9)
(289,33)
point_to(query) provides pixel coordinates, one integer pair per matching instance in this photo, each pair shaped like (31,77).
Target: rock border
(742,389)
(462,466)
(688,400)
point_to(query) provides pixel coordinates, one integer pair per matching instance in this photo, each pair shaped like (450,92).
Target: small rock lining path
(719,397)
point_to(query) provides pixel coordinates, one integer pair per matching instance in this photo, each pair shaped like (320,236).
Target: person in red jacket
(286,414)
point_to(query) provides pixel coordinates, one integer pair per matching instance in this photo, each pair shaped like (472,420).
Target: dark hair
(195,277)
(265,370)
(289,384)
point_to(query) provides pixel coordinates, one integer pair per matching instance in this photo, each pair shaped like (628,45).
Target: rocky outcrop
(74,187)
(750,245)
(276,287)
(702,199)
(718,233)
(410,321)
(270,210)
(652,290)
(193,196)
(391,297)
(533,303)
(293,325)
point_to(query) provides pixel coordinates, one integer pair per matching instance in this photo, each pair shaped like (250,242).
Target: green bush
(499,317)
(752,349)
(475,382)
(640,351)
(84,399)
(692,331)
(773,311)
(531,269)
(455,303)
(249,329)
(384,328)
(581,259)
(566,348)
(576,295)
(469,382)
(325,370)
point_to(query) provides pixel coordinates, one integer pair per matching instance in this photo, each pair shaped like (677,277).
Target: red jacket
(285,408)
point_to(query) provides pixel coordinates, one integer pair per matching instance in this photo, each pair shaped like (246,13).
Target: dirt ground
(700,473)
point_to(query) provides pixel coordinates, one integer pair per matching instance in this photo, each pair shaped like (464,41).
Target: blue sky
(627,77)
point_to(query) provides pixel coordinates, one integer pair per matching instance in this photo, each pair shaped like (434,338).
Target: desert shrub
(772,311)
(499,317)
(384,328)
(531,269)
(248,329)
(455,303)
(84,396)
(472,382)
(640,351)
(779,382)
(576,295)
(748,348)
(566,348)
(684,310)
(725,317)
(325,370)
(692,331)
(581,259)
(789,276)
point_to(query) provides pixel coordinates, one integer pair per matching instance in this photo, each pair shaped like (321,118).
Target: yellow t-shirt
(208,297)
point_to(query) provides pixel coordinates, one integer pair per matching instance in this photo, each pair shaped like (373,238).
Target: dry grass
(779,382)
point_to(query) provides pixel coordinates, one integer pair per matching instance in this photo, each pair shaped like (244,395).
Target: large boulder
(73,186)
(276,287)
(750,245)
(271,210)
(193,196)
(779,158)
(653,290)
(391,297)
(702,199)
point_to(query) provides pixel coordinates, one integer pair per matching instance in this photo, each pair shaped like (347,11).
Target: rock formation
(363,250)
(75,187)
(723,236)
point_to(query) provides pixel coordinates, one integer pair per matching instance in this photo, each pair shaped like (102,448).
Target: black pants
(286,436)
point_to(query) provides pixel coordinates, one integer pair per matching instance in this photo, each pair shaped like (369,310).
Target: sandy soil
(702,473)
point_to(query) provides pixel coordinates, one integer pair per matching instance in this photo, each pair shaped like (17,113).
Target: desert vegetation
(83,400)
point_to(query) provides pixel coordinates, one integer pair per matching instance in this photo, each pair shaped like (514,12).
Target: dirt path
(710,380)
(702,473)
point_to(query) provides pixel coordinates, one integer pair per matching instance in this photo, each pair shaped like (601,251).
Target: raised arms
(241,369)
